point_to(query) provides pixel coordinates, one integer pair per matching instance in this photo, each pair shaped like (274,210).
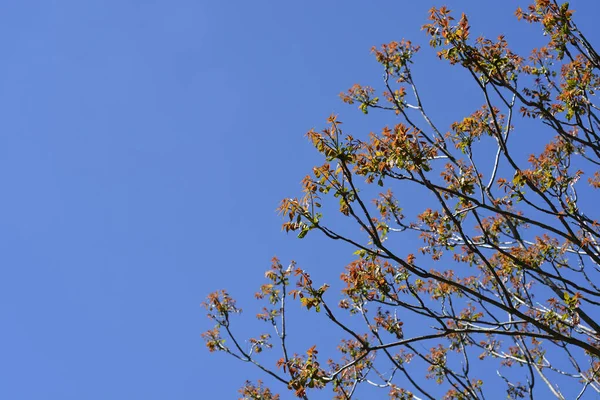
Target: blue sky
(144,148)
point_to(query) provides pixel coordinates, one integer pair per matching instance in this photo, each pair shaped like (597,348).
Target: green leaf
(303,233)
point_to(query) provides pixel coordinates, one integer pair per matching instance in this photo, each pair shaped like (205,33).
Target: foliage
(506,276)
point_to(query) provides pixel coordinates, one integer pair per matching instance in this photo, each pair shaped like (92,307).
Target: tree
(507,273)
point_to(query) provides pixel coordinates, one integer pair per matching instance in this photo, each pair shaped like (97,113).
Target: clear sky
(144,147)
